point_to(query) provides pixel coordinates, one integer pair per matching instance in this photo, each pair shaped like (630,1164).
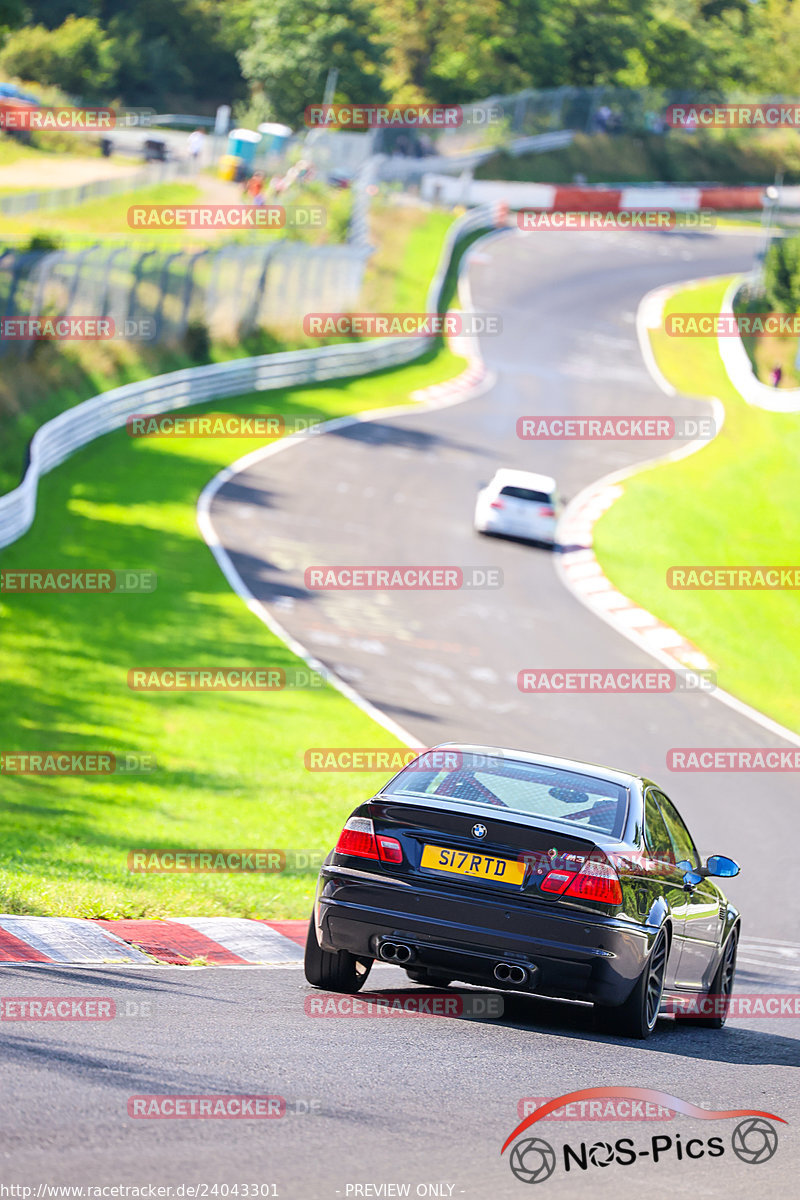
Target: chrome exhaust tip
(403,954)
(510,973)
(388,951)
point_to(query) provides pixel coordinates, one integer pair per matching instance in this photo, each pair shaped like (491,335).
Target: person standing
(197,145)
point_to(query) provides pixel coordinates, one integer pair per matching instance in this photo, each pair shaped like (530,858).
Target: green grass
(107,216)
(13,150)
(732,503)
(230,766)
(408,240)
(708,156)
(58,376)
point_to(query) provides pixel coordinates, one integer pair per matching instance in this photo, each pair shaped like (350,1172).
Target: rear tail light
(390,849)
(547,512)
(596,880)
(556,881)
(358,838)
(497,504)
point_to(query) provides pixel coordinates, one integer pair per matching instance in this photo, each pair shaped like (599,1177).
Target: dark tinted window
(680,837)
(520,493)
(655,831)
(592,804)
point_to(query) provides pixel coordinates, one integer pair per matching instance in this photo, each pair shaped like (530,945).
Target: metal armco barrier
(56,440)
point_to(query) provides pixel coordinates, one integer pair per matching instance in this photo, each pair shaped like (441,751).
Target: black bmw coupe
(529,873)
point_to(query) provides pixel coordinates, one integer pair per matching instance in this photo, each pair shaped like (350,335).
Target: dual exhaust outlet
(510,973)
(396,952)
(399,952)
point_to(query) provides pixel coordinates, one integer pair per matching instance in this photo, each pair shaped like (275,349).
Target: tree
(457,51)
(782,275)
(75,57)
(595,40)
(12,14)
(292,45)
(176,51)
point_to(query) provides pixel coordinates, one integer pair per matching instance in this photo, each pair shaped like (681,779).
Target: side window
(655,831)
(679,834)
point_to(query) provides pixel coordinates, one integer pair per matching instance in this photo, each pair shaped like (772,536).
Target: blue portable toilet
(276,137)
(241,154)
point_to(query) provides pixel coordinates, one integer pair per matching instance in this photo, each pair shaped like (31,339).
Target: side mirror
(719,865)
(692,878)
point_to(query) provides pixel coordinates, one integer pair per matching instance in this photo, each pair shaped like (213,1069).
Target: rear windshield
(536,791)
(520,493)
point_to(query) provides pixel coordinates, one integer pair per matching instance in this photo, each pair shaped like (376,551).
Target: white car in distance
(519,504)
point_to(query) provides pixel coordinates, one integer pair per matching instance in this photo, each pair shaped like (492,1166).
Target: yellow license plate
(476,866)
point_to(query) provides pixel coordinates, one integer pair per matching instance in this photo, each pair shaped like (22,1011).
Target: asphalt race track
(428,1102)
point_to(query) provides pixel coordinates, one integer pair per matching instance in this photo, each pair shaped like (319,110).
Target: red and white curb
(578,566)
(582,574)
(457,388)
(186,941)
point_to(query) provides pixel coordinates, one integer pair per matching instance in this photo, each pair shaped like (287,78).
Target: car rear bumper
(574,956)
(543,530)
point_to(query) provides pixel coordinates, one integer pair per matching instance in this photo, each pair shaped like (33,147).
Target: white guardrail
(59,438)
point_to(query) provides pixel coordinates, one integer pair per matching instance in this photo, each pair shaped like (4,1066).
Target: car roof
(529,479)
(609,774)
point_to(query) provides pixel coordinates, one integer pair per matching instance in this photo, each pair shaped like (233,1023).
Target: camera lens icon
(601,1154)
(754,1140)
(533,1160)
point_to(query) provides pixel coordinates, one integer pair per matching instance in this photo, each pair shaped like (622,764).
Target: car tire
(334,970)
(428,978)
(721,985)
(637,1017)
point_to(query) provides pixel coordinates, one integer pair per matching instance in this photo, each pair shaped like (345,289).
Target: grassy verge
(101,218)
(59,376)
(106,217)
(230,766)
(766,352)
(733,503)
(730,157)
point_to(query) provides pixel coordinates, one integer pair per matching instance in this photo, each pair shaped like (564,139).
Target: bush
(41,241)
(76,56)
(196,341)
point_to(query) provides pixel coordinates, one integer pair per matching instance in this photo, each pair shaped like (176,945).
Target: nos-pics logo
(533,1160)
